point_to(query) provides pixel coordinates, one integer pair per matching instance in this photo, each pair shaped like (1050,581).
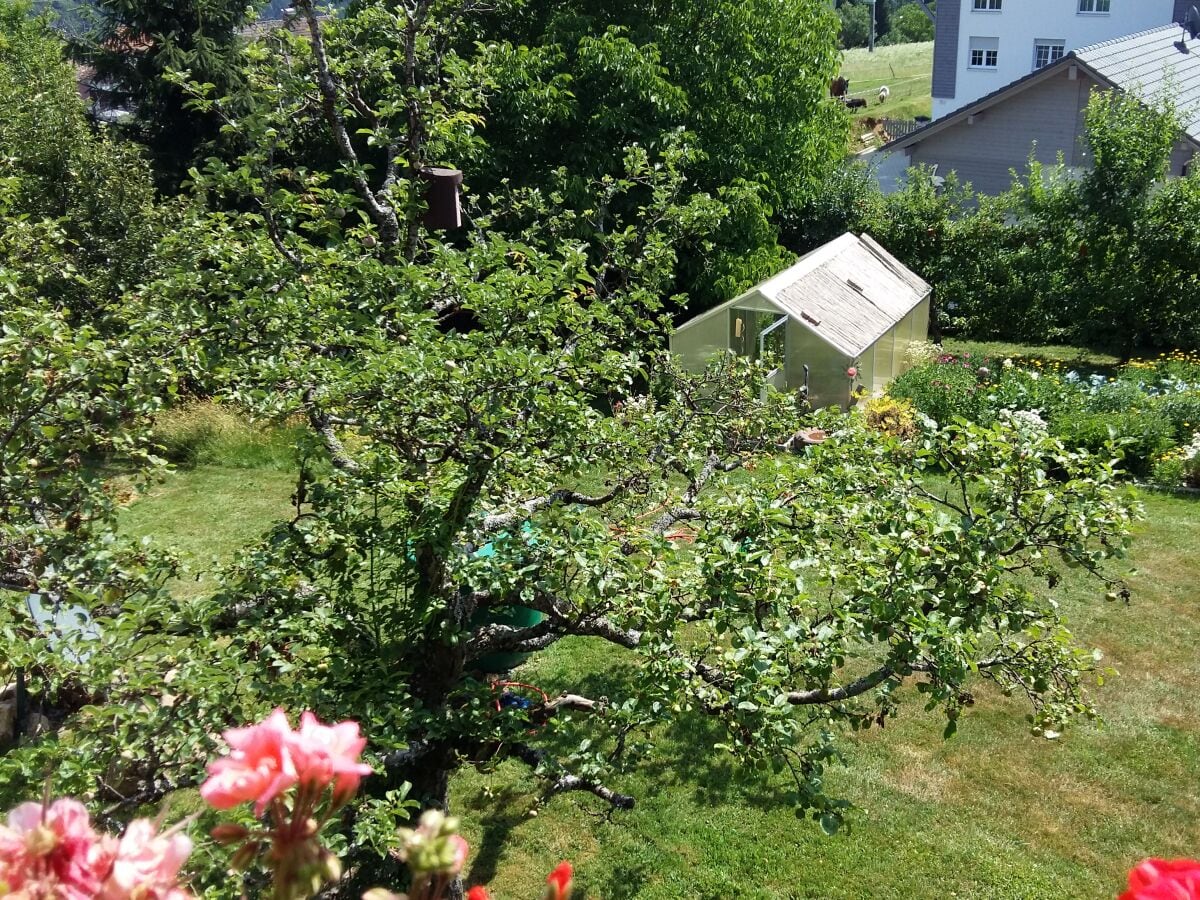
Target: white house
(983,45)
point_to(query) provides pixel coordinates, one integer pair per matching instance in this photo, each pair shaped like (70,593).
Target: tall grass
(205,433)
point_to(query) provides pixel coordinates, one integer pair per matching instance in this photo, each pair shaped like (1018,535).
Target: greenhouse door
(772,349)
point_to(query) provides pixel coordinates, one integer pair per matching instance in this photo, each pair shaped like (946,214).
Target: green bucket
(514,616)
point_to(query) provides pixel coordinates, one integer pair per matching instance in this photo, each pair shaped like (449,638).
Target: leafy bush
(205,433)
(1168,470)
(1179,466)
(948,389)
(1142,434)
(1039,389)
(1116,396)
(1182,410)
(897,418)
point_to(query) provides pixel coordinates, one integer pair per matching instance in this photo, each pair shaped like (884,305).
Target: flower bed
(1148,411)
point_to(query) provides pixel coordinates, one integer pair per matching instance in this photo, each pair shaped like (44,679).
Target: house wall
(1017,26)
(1045,119)
(1181,158)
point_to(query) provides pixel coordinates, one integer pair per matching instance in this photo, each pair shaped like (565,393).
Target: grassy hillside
(906,69)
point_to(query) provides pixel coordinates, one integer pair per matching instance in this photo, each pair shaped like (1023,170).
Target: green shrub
(948,389)
(1182,411)
(1040,389)
(1116,396)
(204,433)
(1169,471)
(1142,434)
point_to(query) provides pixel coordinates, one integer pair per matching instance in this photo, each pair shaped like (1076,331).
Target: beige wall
(1181,156)
(1046,118)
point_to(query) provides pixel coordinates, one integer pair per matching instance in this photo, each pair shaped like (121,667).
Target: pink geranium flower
(147,864)
(259,767)
(1164,879)
(53,851)
(329,753)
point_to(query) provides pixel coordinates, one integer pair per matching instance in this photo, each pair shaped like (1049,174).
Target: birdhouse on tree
(442,197)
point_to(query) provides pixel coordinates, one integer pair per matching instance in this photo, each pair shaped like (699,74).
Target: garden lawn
(992,812)
(208,513)
(1088,360)
(906,69)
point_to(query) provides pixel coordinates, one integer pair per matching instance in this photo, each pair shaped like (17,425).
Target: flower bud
(244,856)
(229,833)
(332,867)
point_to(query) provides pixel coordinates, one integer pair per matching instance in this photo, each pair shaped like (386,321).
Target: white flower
(1008,364)
(1027,420)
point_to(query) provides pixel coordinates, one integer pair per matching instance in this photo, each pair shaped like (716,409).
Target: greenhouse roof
(850,292)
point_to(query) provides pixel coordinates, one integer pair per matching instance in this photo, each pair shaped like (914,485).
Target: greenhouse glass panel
(757,335)
(828,384)
(866,370)
(883,362)
(701,341)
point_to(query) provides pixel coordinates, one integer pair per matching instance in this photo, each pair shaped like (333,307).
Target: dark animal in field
(839,87)
(855,102)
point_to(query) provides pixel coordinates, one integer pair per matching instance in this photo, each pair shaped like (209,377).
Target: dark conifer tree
(132,46)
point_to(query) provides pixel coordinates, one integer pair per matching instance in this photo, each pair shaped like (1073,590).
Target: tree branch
(500,521)
(536,758)
(383,215)
(322,423)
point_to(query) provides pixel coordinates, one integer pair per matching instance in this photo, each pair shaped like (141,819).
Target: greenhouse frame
(837,324)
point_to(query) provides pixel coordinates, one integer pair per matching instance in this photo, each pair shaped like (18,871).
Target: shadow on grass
(500,813)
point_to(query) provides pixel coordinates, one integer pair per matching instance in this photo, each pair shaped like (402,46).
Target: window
(1046,52)
(985,53)
(988,5)
(1095,6)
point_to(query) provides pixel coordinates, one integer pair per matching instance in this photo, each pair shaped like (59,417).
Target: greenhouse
(836,325)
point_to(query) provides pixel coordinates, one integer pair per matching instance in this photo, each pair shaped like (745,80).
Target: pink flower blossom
(147,864)
(53,851)
(462,850)
(329,753)
(852,372)
(1164,879)
(259,768)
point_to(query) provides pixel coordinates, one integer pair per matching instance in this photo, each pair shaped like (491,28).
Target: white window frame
(1095,8)
(1051,45)
(987,6)
(989,54)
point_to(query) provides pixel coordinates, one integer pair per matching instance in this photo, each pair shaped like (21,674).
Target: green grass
(1088,359)
(208,513)
(906,69)
(991,813)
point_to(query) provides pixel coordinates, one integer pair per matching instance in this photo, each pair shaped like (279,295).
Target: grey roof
(296,24)
(849,292)
(1145,64)
(1153,64)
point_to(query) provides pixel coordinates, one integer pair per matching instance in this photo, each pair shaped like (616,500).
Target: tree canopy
(497,457)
